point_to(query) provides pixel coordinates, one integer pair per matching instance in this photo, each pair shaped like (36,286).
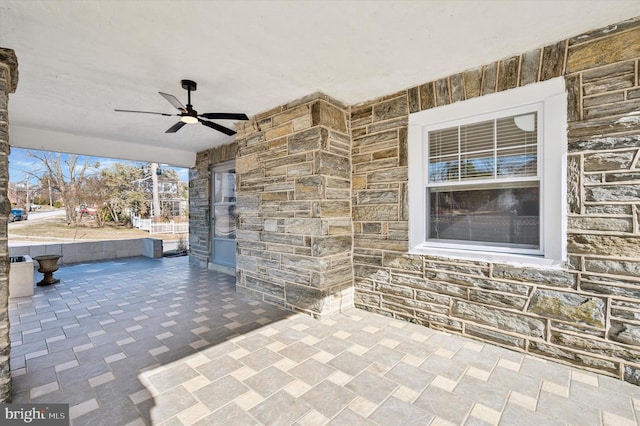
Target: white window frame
(551,99)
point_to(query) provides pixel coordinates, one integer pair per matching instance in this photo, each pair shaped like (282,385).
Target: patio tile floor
(162,342)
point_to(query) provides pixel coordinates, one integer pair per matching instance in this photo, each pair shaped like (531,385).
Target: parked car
(17,214)
(84,210)
(34,206)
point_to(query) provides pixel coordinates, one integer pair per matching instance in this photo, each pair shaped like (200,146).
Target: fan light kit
(188,115)
(189,119)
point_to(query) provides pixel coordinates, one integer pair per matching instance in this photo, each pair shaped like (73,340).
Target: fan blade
(144,112)
(218,127)
(175,127)
(174,101)
(224,116)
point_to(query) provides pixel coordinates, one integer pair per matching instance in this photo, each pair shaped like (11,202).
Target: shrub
(182,245)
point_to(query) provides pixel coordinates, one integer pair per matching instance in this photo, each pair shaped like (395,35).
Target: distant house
(172,194)
(17,194)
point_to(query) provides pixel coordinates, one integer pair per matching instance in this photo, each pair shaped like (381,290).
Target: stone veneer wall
(294,210)
(587,314)
(200,200)
(8,83)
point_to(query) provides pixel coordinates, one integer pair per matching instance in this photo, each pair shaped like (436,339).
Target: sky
(22,166)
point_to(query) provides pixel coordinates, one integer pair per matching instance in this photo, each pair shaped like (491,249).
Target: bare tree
(66,176)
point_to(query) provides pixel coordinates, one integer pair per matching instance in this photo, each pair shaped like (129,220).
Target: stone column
(8,83)
(294,206)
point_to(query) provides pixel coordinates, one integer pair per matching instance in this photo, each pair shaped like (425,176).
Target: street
(36,216)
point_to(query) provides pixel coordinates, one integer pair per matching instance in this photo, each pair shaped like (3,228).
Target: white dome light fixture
(526,122)
(189,119)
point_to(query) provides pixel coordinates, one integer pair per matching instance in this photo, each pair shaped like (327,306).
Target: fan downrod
(189,85)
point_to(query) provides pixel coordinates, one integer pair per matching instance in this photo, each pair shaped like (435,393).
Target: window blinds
(502,148)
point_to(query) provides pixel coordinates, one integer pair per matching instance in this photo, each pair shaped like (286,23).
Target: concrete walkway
(158,341)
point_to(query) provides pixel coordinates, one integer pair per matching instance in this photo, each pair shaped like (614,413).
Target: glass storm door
(223,215)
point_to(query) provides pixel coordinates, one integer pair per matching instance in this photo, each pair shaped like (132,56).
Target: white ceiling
(78,60)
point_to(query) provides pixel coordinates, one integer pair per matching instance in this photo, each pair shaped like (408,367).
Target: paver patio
(160,341)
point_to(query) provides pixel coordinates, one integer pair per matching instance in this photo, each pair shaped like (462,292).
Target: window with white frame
(487,175)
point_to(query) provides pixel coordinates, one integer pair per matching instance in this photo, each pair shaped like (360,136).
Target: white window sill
(485,256)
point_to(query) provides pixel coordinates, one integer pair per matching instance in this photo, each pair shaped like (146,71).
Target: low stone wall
(93,250)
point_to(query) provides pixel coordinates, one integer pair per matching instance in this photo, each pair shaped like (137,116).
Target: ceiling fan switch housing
(189,85)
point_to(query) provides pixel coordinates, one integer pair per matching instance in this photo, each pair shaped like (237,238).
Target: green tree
(122,193)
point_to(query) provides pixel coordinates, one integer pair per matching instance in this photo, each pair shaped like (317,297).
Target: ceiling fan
(188,115)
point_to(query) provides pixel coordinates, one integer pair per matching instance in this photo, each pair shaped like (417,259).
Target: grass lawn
(56,230)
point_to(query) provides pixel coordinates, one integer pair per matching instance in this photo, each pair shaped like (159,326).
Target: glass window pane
(443,142)
(225,221)
(477,136)
(501,148)
(477,165)
(507,217)
(443,169)
(517,130)
(225,187)
(516,162)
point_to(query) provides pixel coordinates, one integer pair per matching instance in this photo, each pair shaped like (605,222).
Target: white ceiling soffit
(78,60)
